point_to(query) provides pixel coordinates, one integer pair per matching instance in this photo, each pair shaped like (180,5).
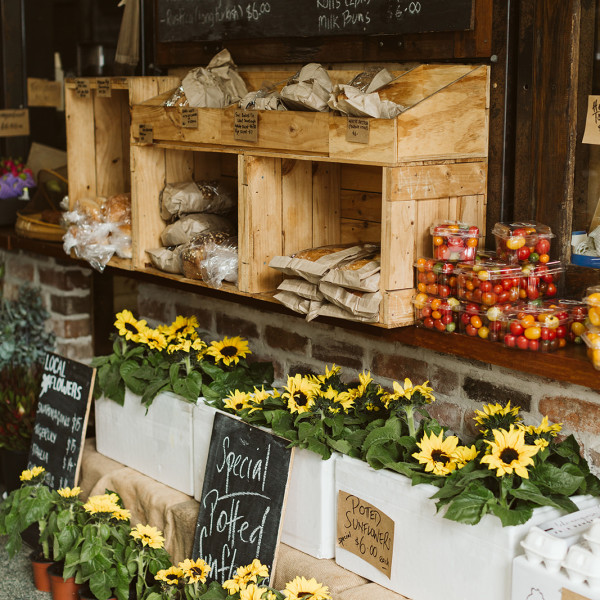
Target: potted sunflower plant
(24,340)
(154,377)
(474,501)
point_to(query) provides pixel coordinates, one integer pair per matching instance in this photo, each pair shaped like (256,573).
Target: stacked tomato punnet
(536,328)
(523,242)
(454,240)
(591,335)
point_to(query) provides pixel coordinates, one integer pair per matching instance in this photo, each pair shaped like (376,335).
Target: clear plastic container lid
(492,313)
(527,229)
(541,316)
(592,296)
(591,338)
(455,228)
(489,271)
(439,267)
(422,300)
(553,267)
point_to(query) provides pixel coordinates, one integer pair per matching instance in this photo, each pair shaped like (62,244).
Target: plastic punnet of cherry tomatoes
(523,241)
(486,323)
(454,240)
(432,312)
(540,281)
(537,329)
(435,277)
(489,283)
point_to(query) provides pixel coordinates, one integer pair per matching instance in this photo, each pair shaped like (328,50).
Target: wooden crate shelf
(302,185)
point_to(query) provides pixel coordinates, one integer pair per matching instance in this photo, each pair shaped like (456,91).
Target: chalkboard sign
(243,496)
(205,20)
(61,420)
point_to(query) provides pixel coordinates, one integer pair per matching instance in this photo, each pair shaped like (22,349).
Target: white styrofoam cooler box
(433,557)
(309,519)
(158,444)
(535,582)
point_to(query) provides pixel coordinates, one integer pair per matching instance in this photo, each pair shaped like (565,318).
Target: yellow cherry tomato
(551,321)
(594,316)
(527,321)
(476,321)
(577,328)
(515,242)
(483,275)
(532,333)
(420,300)
(437,240)
(436,314)
(594,299)
(435,303)
(483,332)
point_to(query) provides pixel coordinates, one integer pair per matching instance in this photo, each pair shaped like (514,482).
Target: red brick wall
(461,385)
(66,294)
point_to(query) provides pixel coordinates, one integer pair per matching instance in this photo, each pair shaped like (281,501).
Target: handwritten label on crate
(243,493)
(14,122)
(104,88)
(145,133)
(365,531)
(189,118)
(82,88)
(43,92)
(245,126)
(357,130)
(61,419)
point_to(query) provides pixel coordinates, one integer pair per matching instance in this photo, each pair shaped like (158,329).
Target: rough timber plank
(148,177)
(260,223)
(326,204)
(356,231)
(81,151)
(361,205)
(297,204)
(382,146)
(397,309)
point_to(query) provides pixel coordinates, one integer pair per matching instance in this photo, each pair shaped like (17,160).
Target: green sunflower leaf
(531,492)
(511,516)
(341,446)
(469,506)
(564,481)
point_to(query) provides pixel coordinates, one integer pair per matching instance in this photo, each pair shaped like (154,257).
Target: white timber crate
(433,557)
(157,443)
(309,517)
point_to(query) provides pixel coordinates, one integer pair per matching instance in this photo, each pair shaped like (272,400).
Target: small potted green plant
(24,340)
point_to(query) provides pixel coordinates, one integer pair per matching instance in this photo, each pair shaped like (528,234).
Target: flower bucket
(434,557)
(309,517)
(41,577)
(62,589)
(157,443)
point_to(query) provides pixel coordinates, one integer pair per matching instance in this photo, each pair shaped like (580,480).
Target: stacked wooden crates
(302,184)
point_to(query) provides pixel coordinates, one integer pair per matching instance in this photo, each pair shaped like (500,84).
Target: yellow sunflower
(170,576)
(346,399)
(128,326)
(300,393)
(509,452)
(329,373)
(102,504)
(152,338)
(437,453)
(543,427)
(364,379)
(237,401)
(425,391)
(181,327)
(121,514)
(301,588)
(31,474)
(253,592)
(496,416)
(195,570)
(68,492)
(258,397)
(148,536)
(400,392)
(463,455)
(258,569)
(228,350)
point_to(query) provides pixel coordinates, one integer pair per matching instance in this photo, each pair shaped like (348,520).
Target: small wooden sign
(189,118)
(61,420)
(14,122)
(104,88)
(365,531)
(591,135)
(357,130)
(569,595)
(145,133)
(245,126)
(43,92)
(243,495)
(82,88)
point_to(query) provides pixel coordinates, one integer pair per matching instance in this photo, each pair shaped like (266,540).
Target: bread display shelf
(446,118)
(301,185)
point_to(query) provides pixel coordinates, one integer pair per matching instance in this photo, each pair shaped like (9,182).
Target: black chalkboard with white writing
(205,20)
(243,496)
(61,419)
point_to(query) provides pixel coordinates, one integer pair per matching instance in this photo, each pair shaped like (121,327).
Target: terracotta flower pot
(63,589)
(41,577)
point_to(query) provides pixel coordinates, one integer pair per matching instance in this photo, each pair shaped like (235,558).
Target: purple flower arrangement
(14,178)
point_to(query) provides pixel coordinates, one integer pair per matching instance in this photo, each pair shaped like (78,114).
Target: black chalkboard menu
(61,419)
(205,20)
(243,496)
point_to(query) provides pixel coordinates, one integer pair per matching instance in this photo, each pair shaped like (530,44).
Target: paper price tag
(365,531)
(145,133)
(357,130)
(104,88)
(82,88)
(14,122)
(245,126)
(41,92)
(189,118)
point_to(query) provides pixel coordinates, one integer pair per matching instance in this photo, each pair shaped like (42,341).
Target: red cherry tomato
(543,246)
(516,328)
(522,342)
(533,345)
(510,340)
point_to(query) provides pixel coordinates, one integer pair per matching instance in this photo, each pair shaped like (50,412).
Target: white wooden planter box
(157,443)
(309,519)
(433,557)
